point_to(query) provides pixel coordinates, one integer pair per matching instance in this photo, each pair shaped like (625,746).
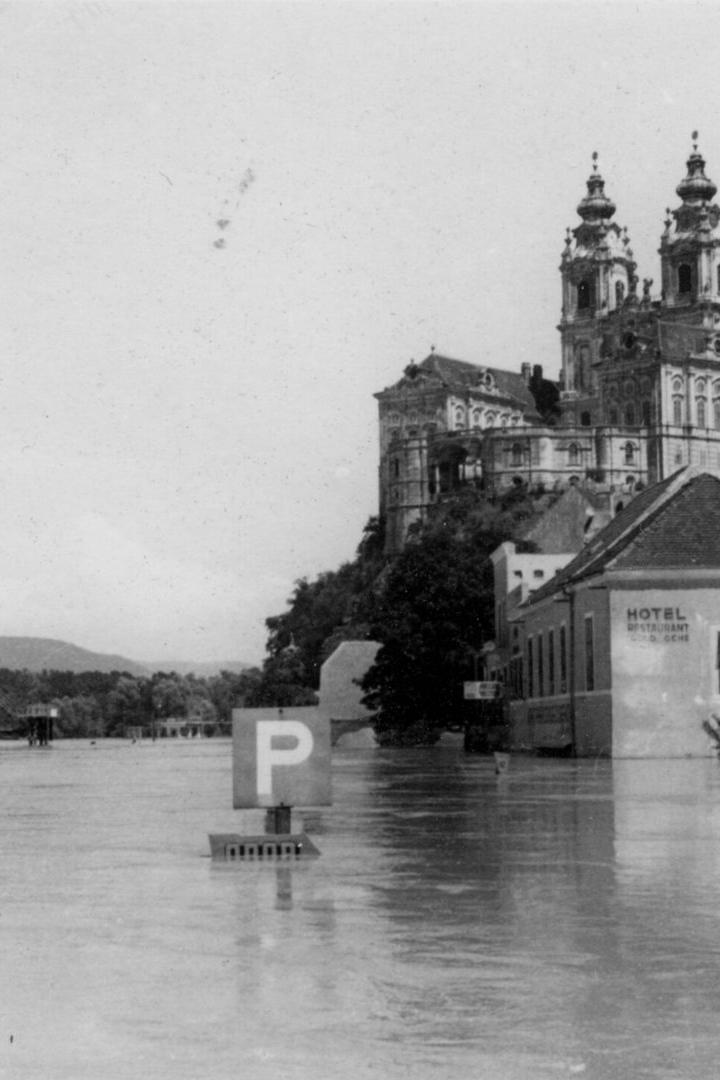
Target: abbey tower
(639,389)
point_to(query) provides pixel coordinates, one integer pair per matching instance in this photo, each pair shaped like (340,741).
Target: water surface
(559,921)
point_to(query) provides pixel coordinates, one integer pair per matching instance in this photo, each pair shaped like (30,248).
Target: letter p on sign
(281,756)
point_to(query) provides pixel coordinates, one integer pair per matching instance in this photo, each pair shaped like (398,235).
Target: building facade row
(618,654)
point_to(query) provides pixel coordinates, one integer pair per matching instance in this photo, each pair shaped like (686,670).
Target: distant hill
(38,654)
(202,668)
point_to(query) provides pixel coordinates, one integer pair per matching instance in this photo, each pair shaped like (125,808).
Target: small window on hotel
(530,687)
(541,666)
(589,654)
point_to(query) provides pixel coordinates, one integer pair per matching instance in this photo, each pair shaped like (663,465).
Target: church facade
(639,389)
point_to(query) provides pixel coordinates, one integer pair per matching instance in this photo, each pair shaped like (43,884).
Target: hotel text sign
(281,756)
(658,625)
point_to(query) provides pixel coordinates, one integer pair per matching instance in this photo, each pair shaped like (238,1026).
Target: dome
(696,187)
(596,206)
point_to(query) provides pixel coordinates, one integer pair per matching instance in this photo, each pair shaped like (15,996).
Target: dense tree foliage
(337,606)
(435,613)
(95,704)
(431,608)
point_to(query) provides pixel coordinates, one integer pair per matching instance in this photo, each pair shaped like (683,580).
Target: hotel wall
(664,654)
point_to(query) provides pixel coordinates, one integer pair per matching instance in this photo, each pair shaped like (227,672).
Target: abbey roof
(461,376)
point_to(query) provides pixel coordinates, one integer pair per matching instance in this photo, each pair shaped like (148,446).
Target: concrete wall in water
(340,694)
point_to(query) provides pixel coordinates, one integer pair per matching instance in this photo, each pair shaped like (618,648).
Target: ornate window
(700,412)
(613,415)
(573,454)
(646,407)
(619,293)
(582,367)
(629,453)
(476,418)
(490,419)
(677,385)
(684,278)
(516,454)
(630,414)
(585,419)
(584,295)
(677,407)
(459,417)
(629,388)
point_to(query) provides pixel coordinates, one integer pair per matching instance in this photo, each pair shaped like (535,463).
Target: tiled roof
(685,533)
(461,376)
(652,531)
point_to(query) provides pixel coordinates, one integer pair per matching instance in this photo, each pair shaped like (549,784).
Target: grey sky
(186,413)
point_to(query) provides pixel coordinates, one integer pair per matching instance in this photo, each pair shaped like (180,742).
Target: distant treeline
(96,704)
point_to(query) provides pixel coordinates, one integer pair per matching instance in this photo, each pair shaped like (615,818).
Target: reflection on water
(558,921)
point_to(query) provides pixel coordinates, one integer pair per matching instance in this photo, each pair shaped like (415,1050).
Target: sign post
(281,759)
(482,691)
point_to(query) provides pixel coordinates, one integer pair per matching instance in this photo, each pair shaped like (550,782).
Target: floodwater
(562,920)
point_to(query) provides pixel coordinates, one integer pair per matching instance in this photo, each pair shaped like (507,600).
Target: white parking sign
(281,756)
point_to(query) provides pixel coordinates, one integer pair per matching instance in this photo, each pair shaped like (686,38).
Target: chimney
(525,371)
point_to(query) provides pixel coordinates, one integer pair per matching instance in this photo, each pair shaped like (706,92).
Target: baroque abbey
(639,390)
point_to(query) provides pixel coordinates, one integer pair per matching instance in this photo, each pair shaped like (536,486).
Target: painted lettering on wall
(658,625)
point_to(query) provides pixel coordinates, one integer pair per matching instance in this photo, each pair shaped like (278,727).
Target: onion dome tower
(598,278)
(690,252)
